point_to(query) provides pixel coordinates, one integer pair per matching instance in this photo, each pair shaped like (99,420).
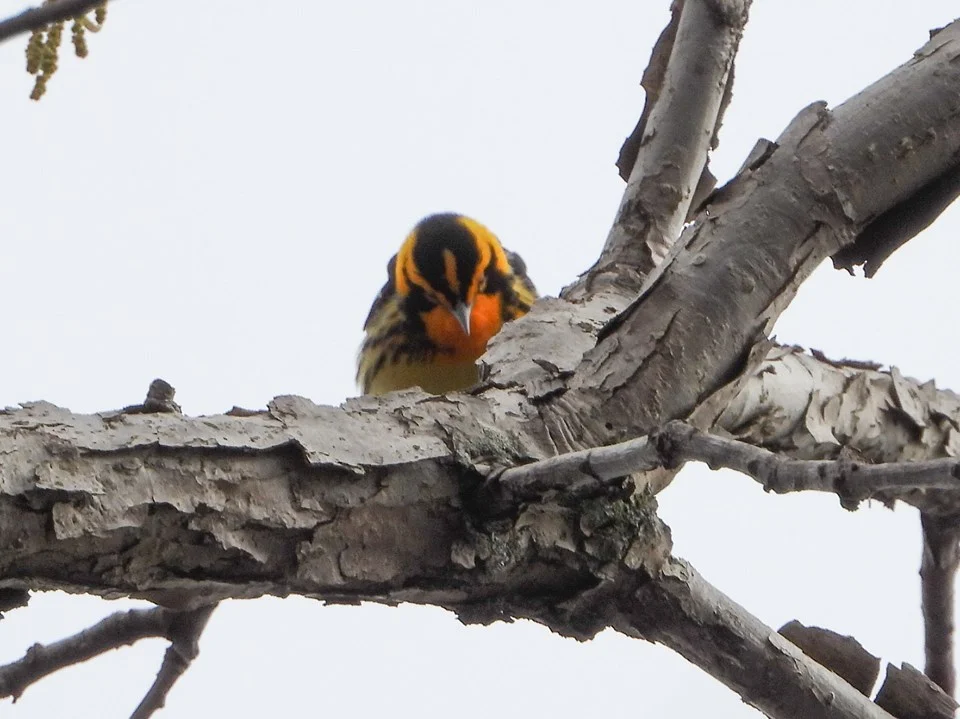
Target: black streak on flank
(435,234)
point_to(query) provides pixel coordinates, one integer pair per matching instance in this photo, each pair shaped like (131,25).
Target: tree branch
(182,628)
(686,82)
(115,631)
(735,272)
(378,499)
(682,611)
(905,693)
(185,631)
(808,407)
(713,302)
(908,694)
(938,573)
(38,17)
(676,443)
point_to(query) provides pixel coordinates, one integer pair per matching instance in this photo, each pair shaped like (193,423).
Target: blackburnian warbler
(449,290)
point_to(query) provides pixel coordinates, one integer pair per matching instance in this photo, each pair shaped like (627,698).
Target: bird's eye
(482,287)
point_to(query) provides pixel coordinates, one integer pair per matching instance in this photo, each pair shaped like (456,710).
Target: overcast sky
(212,196)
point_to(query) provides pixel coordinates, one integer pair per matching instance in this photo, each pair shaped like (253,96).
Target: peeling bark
(734,272)
(807,408)
(392,499)
(688,85)
(294,500)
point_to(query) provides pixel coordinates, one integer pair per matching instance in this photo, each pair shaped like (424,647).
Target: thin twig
(115,631)
(38,17)
(181,628)
(183,649)
(678,442)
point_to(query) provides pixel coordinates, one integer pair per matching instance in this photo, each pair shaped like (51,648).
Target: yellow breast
(436,378)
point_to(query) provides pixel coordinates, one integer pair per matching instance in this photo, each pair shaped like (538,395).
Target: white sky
(212,197)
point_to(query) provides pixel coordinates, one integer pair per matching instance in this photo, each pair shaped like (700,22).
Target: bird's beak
(462,312)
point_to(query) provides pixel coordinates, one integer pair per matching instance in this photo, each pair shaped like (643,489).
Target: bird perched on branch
(449,290)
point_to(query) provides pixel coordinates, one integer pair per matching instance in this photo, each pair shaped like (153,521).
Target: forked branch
(184,635)
(181,628)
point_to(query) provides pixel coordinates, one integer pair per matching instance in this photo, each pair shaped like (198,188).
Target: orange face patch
(444,330)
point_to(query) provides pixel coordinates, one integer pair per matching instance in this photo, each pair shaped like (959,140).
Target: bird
(449,289)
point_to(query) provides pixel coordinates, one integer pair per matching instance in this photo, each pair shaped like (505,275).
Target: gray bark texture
(408,497)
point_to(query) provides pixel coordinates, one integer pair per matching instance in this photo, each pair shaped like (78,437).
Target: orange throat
(446,333)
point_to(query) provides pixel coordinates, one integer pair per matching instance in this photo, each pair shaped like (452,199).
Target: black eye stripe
(496,281)
(418,301)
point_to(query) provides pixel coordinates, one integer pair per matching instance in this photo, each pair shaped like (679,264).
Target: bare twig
(38,17)
(181,628)
(938,573)
(115,631)
(591,469)
(185,634)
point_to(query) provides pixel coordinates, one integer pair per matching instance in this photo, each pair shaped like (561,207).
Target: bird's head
(452,268)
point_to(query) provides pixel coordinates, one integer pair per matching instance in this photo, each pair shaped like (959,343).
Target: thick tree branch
(696,326)
(682,611)
(294,500)
(38,17)
(693,63)
(274,523)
